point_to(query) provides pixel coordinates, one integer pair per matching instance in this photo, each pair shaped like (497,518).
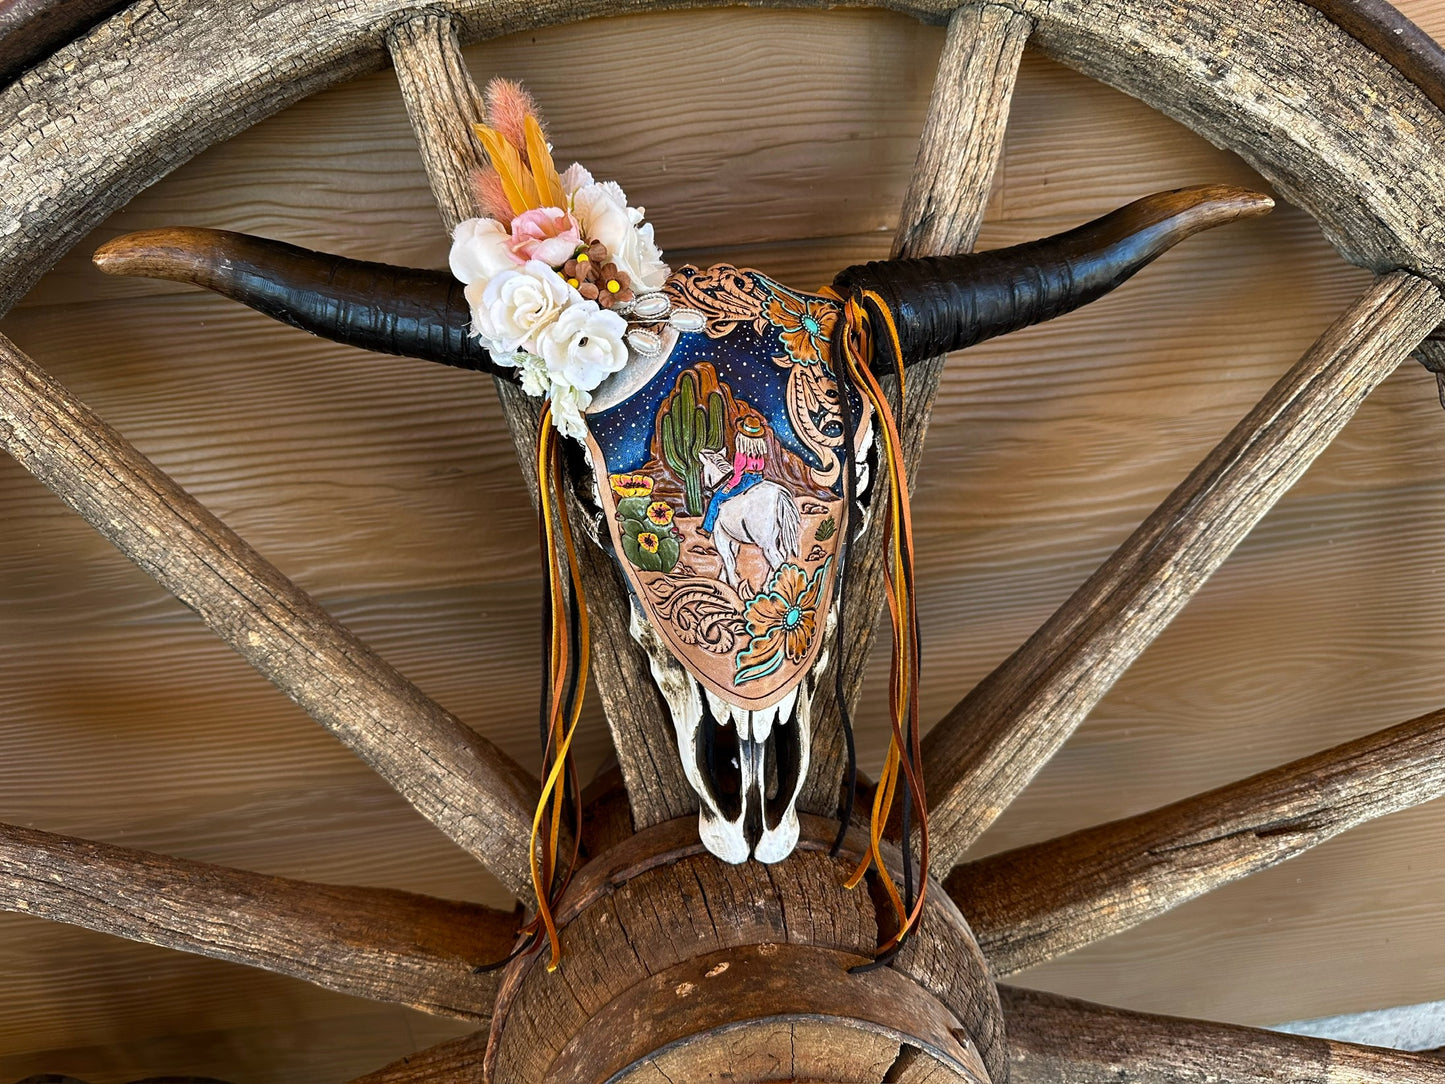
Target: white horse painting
(764,515)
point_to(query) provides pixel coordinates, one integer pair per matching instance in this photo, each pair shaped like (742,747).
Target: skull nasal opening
(719,756)
(784,759)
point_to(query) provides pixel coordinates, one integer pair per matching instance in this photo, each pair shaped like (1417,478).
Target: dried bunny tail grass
(487,183)
(508,107)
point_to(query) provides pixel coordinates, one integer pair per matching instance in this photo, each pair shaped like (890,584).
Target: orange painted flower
(806,324)
(631,485)
(659,513)
(782,620)
(649,541)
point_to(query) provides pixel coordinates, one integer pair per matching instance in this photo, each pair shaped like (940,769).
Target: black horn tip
(1186,210)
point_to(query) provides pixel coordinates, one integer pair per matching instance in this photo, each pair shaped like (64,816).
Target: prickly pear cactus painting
(721,469)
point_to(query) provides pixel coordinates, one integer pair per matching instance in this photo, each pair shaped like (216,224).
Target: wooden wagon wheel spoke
(443,103)
(942,211)
(372,943)
(1058,1040)
(453,776)
(985,751)
(1034,903)
(459,1059)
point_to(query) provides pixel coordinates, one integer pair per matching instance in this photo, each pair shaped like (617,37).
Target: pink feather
(488,186)
(508,107)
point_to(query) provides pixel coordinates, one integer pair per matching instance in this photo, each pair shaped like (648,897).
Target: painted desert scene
(728,537)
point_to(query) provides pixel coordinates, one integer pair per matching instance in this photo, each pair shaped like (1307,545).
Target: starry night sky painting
(743,360)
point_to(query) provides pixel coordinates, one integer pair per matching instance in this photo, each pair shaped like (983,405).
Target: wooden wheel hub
(676,963)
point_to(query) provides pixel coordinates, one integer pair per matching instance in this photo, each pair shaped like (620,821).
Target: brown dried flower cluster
(593,275)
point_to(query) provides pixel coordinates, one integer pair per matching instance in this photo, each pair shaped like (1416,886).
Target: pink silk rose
(547,234)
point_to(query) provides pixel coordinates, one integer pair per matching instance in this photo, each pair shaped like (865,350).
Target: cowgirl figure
(749,458)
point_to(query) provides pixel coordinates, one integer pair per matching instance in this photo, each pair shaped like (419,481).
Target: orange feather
(544,170)
(517,182)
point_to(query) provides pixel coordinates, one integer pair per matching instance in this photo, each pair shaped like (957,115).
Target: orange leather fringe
(567,661)
(904,763)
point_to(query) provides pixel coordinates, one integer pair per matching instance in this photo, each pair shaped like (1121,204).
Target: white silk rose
(480,249)
(583,346)
(514,307)
(526,313)
(601,210)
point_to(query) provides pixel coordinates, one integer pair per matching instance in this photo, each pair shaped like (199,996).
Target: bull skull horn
(944,303)
(376,306)
(940,303)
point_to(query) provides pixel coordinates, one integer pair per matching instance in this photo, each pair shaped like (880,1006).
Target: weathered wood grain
(863,1057)
(660,915)
(1359,113)
(1057,1040)
(781,1052)
(963,133)
(442,103)
(132,1009)
(254,63)
(1382,27)
(121,135)
(342,149)
(1035,903)
(765,1013)
(456,778)
(942,212)
(370,942)
(458,1059)
(1046,450)
(296,1045)
(31,29)
(1268,948)
(985,751)
(777,1053)
(1333,194)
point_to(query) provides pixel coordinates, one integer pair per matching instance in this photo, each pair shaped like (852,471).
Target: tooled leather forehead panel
(735,573)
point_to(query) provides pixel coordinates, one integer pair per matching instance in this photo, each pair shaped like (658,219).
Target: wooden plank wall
(784,141)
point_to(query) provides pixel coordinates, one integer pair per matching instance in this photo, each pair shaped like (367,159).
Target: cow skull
(747,766)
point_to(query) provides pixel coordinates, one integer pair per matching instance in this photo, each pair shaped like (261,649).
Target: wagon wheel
(1357,151)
